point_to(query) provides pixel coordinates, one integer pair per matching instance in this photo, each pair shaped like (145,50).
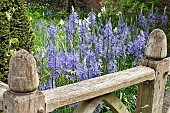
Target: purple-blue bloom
(164,19)
(91,19)
(82,71)
(71,25)
(51,55)
(112,66)
(94,70)
(152,17)
(138,45)
(108,30)
(125,34)
(52,31)
(142,21)
(83,33)
(39,28)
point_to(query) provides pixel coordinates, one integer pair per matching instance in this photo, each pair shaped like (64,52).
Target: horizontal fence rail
(21,95)
(65,95)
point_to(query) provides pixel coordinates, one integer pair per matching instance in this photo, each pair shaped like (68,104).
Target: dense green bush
(4,36)
(15,32)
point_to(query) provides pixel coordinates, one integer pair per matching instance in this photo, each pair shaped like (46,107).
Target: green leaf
(14,40)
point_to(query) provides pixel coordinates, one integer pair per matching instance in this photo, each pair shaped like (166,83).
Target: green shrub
(15,32)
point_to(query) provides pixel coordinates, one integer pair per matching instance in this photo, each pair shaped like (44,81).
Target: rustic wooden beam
(166,103)
(3,88)
(84,90)
(151,93)
(169,65)
(110,100)
(23,96)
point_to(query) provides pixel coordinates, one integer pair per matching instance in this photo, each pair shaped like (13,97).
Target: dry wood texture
(22,96)
(168,110)
(91,88)
(110,100)
(169,65)
(157,45)
(3,88)
(22,72)
(151,93)
(23,102)
(166,104)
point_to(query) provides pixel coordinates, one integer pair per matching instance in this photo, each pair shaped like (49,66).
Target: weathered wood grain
(3,88)
(168,110)
(169,65)
(23,96)
(151,93)
(157,45)
(91,88)
(22,72)
(166,103)
(32,102)
(110,100)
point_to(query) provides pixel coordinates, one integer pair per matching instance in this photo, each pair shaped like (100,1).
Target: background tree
(15,32)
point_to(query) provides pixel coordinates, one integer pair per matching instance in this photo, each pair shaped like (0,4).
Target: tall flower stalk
(84,49)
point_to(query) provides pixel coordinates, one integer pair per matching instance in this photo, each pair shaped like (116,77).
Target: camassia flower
(142,21)
(90,48)
(152,16)
(108,32)
(52,31)
(91,19)
(164,17)
(72,24)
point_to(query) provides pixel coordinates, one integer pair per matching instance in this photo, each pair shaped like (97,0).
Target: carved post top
(157,45)
(22,72)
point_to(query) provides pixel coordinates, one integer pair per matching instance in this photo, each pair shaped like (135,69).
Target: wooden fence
(22,95)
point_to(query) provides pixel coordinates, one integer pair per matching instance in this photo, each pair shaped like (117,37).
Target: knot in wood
(41,110)
(156,47)
(22,72)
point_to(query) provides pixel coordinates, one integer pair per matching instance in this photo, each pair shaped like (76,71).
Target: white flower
(103,9)
(115,30)
(119,13)
(99,14)
(86,20)
(80,21)
(61,22)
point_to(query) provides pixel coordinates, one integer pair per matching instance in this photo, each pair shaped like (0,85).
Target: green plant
(130,8)
(4,36)
(56,5)
(39,13)
(15,32)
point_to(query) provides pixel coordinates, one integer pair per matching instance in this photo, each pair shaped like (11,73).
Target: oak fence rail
(21,95)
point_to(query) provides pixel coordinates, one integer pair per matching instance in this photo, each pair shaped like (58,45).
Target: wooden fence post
(23,96)
(151,93)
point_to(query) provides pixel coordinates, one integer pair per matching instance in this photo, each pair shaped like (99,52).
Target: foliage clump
(15,32)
